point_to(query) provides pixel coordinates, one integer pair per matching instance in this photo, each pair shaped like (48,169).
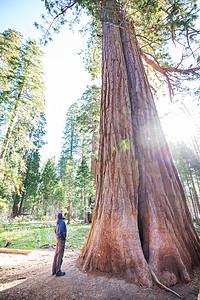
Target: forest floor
(29,277)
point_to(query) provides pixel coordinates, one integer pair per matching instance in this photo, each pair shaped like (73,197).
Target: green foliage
(50,196)
(70,137)
(166,31)
(186,160)
(31,180)
(188,166)
(39,131)
(80,136)
(25,235)
(77,235)
(48,184)
(59,196)
(89,117)
(92,54)
(88,120)
(197,228)
(67,177)
(84,189)
(67,161)
(22,105)
(81,119)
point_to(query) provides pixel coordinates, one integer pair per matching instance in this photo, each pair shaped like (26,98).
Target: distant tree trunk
(70,184)
(9,130)
(141,220)
(195,141)
(94,149)
(86,217)
(69,212)
(198,183)
(5,145)
(196,146)
(22,176)
(192,208)
(15,207)
(195,198)
(21,204)
(19,198)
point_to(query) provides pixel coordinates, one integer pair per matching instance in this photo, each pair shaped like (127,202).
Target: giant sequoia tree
(141,221)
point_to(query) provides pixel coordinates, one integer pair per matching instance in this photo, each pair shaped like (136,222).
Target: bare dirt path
(29,277)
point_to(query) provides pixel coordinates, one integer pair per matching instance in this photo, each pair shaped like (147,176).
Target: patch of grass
(77,235)
(32,235)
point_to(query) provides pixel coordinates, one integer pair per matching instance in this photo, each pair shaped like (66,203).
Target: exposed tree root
(163,286)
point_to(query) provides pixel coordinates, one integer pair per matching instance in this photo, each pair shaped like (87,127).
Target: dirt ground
(29,277)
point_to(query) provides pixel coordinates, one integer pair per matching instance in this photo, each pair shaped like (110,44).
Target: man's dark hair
(60,216)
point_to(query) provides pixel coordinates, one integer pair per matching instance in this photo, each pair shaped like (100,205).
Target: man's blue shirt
(61,229)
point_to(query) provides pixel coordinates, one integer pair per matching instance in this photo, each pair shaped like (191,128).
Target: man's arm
(63,230)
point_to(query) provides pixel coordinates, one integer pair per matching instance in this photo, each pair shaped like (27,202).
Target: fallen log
(15,251)
(44,245)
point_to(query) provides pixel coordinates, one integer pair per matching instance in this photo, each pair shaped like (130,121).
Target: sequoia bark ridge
(141,220)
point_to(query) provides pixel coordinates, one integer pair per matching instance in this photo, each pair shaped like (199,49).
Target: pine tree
(187,163)
(22,103)
(88,123)
(84,190)
(67,161)
(48,185)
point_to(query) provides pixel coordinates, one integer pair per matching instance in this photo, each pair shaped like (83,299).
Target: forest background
(37,187)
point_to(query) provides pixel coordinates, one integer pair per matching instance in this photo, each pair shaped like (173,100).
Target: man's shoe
(53,273)
(60,273)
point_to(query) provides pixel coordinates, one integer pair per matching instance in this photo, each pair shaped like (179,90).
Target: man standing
(61,232)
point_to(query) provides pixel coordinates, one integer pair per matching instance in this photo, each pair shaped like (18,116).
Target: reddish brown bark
(141,220)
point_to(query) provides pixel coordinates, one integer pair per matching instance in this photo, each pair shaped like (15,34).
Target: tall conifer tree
(141,223)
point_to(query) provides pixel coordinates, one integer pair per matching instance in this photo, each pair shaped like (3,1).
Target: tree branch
(71,4)
(165,71)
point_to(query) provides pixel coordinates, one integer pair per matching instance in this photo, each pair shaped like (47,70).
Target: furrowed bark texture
(141,219)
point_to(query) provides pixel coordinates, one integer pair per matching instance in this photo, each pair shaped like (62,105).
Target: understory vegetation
(39,235)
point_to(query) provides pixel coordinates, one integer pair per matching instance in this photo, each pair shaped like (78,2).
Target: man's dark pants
(58,257)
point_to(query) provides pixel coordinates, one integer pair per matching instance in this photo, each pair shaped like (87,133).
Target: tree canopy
(167,33)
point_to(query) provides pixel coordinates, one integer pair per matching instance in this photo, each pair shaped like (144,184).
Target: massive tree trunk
(141,220)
